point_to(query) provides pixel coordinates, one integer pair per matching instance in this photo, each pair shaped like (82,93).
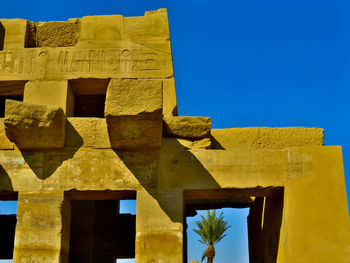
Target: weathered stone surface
(133,112)
(42,230)
(5,143)
(154,25)
(204,143)
(169,97)
(34,126)
(15,33)
(187,127)
(159,231)
(87,132)
(50,93)
(57,34)
(134,132)
(100,28)
(128,97)
(266,138)
(120,60)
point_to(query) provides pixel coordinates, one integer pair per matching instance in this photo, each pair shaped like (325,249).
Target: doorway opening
(103,226)
(8,213)
(255,218)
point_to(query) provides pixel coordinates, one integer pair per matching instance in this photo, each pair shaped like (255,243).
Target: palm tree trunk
(210,253)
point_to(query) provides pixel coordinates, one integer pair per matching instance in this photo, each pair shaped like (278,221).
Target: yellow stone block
(57,34)
(5,143)
(154,25)
(15,34)
(187,127)
(266,138)
(50,93)
(100,28)
(32,126)
(159,234)
(133,112)
(166,207)
(169,97)
(87,132)
(187,143)
(315,225)
(42,228)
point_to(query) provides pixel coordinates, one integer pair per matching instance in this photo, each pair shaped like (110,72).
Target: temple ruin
(88,117)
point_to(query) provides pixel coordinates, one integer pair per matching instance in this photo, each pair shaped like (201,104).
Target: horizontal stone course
(266,138)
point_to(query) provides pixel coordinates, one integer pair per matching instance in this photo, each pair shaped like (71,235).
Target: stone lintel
(177,168)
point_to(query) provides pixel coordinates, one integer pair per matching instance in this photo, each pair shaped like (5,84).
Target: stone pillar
(315,225)
(254,221)
(42,230)
(159,225)
(50,93)
(264,223)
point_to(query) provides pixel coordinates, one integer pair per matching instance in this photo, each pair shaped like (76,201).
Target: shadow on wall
(5,180)
(168,168)
(45,162)
(2,36)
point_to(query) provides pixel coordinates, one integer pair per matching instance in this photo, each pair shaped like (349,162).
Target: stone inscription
(58,61)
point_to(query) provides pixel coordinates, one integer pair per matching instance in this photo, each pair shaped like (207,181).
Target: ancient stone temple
(88,117)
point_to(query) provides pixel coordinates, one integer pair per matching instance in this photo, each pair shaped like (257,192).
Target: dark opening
(89,97)
(12,90)
(253,237)
(2,36)
(3,100)
(8,211)
(89,105)
(100,232)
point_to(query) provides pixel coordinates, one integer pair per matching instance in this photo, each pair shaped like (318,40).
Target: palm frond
(203,256)
(211,228)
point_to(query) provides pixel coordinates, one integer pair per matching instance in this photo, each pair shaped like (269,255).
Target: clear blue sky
(245,63)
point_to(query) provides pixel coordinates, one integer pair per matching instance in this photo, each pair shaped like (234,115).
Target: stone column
(42,230)
(159,224)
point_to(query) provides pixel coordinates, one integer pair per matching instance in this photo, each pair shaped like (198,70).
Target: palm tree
(211,229)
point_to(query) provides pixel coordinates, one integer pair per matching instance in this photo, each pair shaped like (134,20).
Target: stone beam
(266,138)
(178,168)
